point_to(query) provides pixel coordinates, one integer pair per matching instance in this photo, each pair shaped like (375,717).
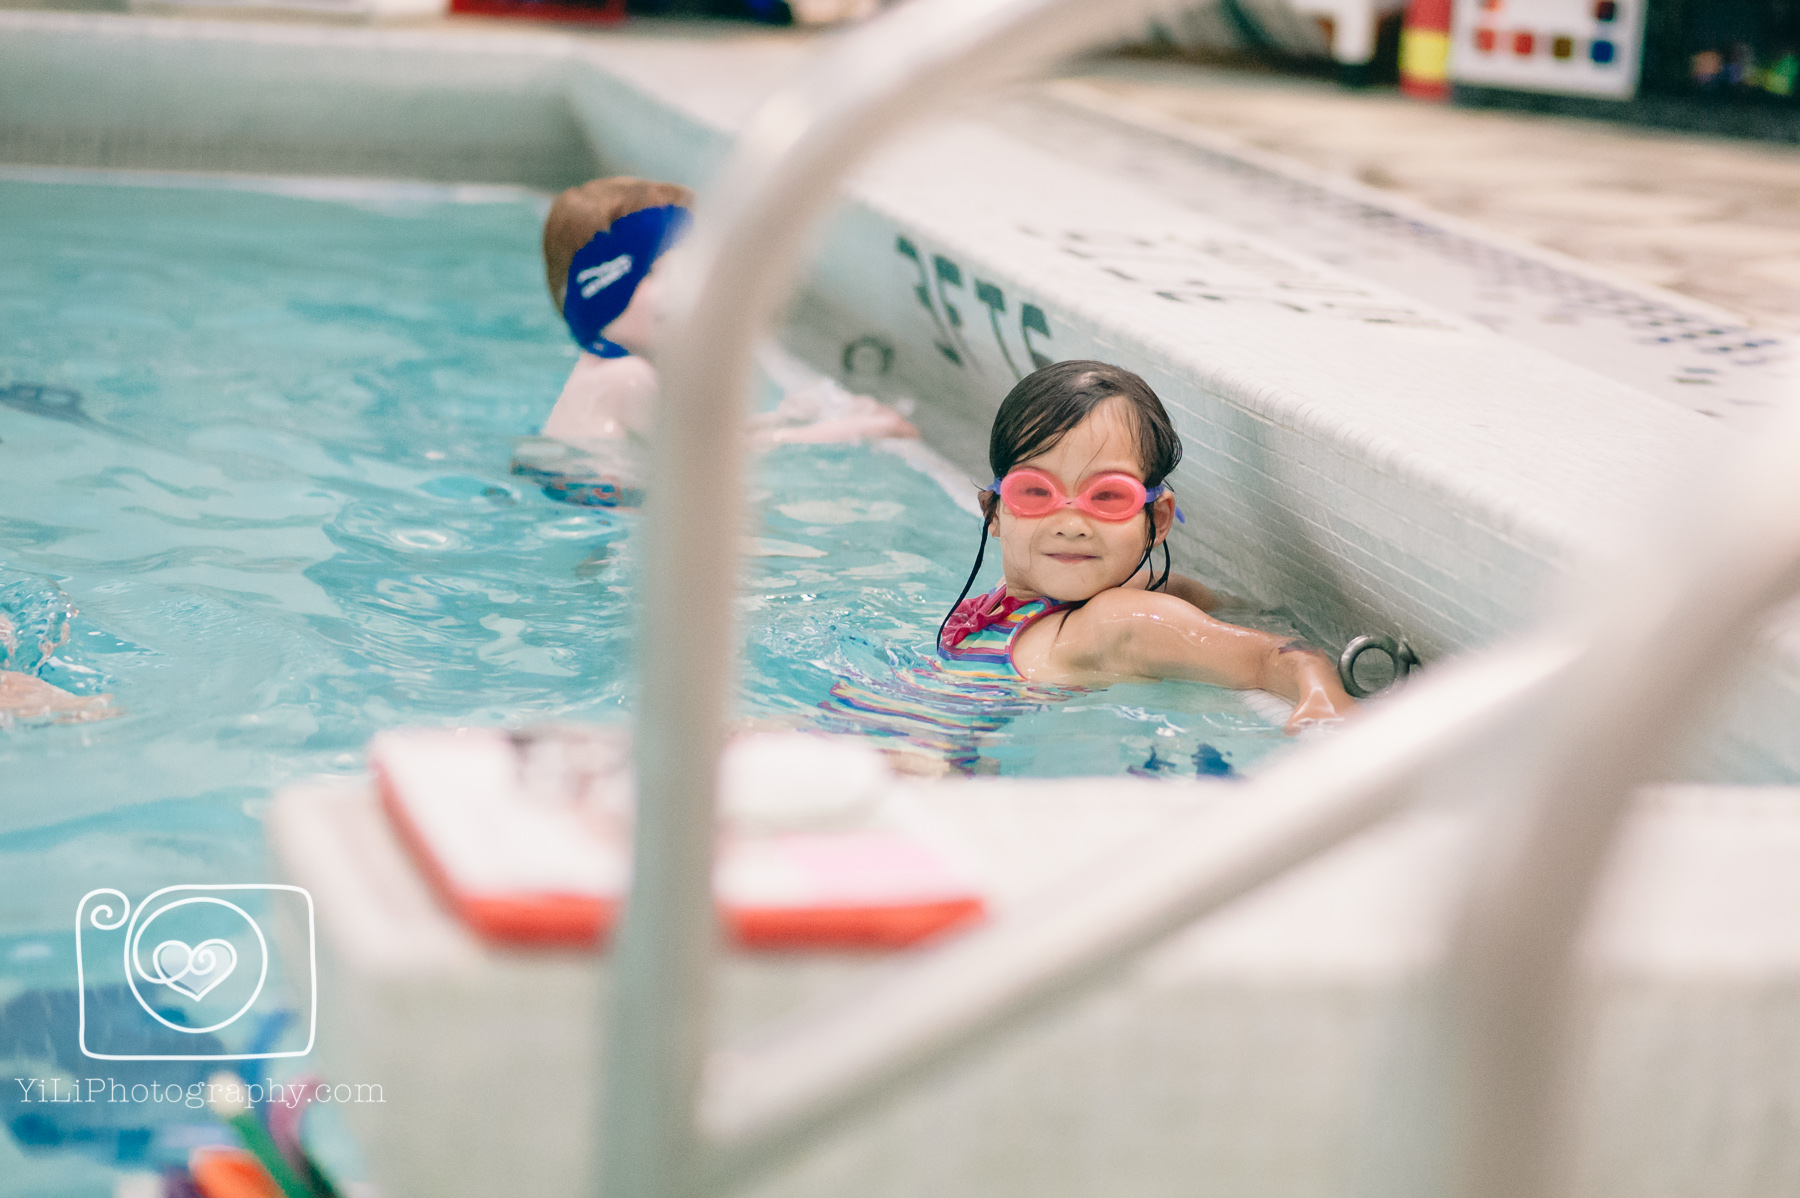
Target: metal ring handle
(1398,651)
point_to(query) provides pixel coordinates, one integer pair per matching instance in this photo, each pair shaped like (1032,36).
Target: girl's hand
(826,412)
(1299,672)
(1318,708)
(868,426)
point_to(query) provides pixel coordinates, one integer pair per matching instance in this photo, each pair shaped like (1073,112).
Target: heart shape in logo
(195,970)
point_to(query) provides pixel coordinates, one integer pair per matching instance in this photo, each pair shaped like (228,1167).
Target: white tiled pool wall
(292,100)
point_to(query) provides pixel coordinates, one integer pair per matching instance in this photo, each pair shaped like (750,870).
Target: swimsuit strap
(979,636)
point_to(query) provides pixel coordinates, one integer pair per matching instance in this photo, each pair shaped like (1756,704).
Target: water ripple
(279,499)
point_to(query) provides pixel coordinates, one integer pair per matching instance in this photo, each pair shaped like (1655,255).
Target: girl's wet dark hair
(1044,406)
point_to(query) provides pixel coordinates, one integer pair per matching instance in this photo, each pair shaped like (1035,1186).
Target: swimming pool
(257,443)
(267,461)
(1341,475)
(1343,478)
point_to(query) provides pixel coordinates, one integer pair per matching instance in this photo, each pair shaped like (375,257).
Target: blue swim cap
(607,270)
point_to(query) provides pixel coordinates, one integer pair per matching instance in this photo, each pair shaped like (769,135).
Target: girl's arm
(1126,633)
(613,397)
(826,412)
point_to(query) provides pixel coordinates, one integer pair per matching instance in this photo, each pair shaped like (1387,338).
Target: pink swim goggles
(1113,497)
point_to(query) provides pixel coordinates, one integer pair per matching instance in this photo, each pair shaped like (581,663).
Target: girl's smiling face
(1070,555)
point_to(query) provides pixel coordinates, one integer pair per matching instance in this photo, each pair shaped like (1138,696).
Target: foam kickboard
(530,852)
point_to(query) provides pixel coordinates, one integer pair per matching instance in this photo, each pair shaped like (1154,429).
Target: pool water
(254,447)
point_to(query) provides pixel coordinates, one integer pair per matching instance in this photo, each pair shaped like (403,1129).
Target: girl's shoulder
(1093,639)
(1077,638)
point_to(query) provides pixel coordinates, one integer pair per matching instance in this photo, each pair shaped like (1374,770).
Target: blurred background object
(1425,50)
(773,12)
(1572,47)
(1716,66)
(1729,67)
(1346,33)
(804,13)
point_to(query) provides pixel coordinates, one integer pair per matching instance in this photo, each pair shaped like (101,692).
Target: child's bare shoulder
(603,397)
(1090,639)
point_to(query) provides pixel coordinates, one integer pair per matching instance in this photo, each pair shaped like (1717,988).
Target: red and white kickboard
(520,869)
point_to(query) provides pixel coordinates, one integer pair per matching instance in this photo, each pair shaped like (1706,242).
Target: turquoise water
(254,464)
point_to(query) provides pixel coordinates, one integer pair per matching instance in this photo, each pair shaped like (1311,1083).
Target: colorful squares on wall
(1583,47)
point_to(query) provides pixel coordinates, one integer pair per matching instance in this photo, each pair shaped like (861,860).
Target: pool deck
(1710,218)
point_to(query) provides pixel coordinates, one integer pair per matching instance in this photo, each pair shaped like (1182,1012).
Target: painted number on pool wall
(933,290)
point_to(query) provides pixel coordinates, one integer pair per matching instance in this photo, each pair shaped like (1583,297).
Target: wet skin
(614,397)
(26,697)
(1123,632)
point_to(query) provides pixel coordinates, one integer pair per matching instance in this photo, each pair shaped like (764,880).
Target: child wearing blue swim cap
(607,244)
(604,260)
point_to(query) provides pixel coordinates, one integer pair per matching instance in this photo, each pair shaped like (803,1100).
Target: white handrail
(763,1103)
(1660,639)
(739,268)
(659,1138)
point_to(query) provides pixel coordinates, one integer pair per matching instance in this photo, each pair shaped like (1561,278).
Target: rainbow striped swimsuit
(947,705)
(986,650)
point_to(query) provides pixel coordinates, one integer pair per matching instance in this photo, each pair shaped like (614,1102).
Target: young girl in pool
(1080,451)
(607,247)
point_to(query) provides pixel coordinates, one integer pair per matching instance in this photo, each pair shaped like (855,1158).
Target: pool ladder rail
(1585,709)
